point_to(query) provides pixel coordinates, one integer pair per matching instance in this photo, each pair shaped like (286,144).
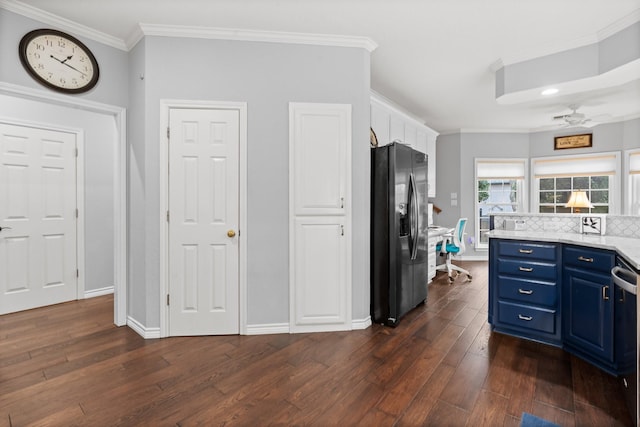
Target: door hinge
(76,152)
(77,213)
(168,132)
(167,299)
(167,216)
(77,273)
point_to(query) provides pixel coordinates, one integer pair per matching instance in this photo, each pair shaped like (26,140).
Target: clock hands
(64,62)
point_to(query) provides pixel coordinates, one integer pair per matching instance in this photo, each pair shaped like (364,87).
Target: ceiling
(435,58)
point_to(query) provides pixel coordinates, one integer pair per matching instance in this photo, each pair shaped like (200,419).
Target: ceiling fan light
(550,91)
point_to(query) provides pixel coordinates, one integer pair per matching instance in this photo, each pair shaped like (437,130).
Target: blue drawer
(528,250)
(528,269)
(588,258)
(528,291)
(534,318)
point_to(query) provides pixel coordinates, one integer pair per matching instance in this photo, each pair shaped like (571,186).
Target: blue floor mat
(529,420)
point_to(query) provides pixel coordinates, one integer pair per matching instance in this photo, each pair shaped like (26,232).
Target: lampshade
(578,200)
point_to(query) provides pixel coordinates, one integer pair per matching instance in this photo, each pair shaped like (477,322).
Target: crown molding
(250,35)
(552,48)
(61,23)
(619,25)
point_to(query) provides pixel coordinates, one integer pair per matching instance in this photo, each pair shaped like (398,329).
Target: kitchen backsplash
(613,225)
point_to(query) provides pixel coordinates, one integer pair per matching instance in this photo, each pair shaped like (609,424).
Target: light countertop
(627,247)
(436,231)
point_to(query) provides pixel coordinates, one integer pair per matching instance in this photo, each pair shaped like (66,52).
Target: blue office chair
(451,245)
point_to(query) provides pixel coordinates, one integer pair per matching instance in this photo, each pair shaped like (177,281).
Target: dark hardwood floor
(67,365)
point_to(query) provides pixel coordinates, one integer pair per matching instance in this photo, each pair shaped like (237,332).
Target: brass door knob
(231,233)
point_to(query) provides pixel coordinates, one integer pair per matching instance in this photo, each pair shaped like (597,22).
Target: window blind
(554,167)
(634,163)
(500,169)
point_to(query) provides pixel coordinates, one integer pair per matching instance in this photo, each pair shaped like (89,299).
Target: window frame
(614,174)
(521,191)
(632,204)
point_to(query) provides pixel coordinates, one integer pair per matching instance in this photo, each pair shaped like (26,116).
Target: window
(633,160)
(500,187)
(555,192)
(556,177)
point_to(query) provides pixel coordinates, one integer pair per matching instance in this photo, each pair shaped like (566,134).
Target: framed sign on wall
(572,141)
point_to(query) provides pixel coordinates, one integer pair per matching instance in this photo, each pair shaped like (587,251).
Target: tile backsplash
(615,225)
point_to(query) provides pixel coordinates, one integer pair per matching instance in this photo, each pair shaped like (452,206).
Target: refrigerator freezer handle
(415,217)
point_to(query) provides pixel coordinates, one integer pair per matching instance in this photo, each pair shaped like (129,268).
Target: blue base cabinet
(587,312)
(523,289)
(562,295)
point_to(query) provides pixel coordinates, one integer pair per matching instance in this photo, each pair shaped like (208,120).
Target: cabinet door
(320,294)
(396,129)
(588,312)
(410,135)
(320,159)
(320,217)
(431,154)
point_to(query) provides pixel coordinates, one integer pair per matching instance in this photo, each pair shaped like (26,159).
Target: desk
(434,234)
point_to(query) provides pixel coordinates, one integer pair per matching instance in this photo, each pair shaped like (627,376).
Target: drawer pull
(527,318)
(528,270)
(525,251)
(581,258)
(525,291)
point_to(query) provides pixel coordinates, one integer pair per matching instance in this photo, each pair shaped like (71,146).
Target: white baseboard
(268,328)
(361,323)
(92,293)
(283,328)
(140,329)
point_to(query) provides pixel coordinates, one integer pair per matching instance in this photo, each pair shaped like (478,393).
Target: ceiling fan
(575,118)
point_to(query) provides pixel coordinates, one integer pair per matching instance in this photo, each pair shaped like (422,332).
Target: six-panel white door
(203,221)
(38,262)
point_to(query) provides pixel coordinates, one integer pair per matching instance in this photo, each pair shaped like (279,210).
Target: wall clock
(59,61)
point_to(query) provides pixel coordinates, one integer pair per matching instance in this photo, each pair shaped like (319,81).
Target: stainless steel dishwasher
(626,280)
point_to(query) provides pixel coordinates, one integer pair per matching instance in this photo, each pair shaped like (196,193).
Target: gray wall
(267,76)
(112,86)
(99,131)
(455,155)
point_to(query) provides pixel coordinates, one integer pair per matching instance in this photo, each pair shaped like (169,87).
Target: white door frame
(120,184)
(165,106)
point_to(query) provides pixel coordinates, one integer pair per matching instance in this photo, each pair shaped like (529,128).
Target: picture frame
(592,224)
(573,141)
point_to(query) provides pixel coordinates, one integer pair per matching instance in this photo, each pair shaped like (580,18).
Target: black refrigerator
(399,225)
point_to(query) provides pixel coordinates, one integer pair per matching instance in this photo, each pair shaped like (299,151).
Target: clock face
(58,61)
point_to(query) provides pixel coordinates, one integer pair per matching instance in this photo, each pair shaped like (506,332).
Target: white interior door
(38,259)
(203,221)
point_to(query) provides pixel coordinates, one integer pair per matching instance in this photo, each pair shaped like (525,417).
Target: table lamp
(578,200)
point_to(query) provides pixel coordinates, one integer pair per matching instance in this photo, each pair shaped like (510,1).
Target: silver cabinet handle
(527,318)
(528,270)
(525,291)
(605,290)
(525,251)
(581,258)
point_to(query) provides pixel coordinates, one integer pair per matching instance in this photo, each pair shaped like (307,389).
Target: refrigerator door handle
(415,217)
